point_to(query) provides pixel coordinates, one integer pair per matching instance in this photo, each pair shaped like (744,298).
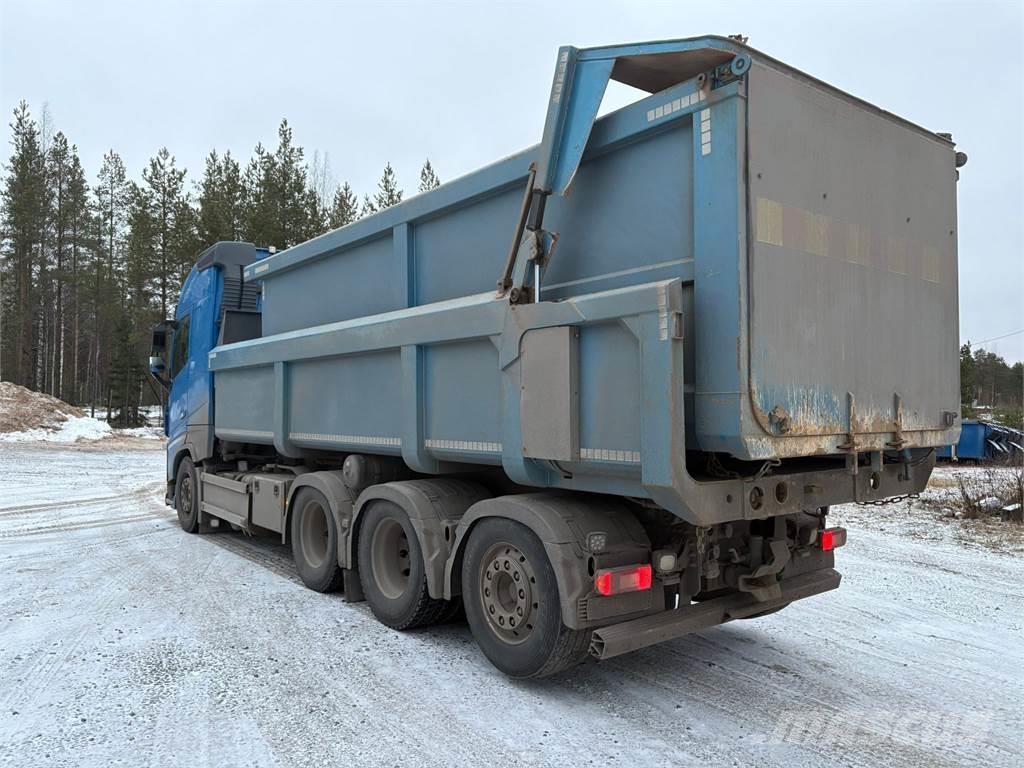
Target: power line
(997,338)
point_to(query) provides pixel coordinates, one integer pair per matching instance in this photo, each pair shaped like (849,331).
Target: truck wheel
(314,537)
(512,602)
(392,572)
(186,496)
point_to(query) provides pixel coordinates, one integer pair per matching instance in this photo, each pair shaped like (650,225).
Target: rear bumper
(668,625)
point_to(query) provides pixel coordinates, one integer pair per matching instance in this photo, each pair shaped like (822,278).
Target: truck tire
(391,570)
(512,602)
(186,496)
(314,538)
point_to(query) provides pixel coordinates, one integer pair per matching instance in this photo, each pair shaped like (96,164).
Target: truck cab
(215,307)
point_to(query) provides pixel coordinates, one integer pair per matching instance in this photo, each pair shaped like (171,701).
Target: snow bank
(22,409)
(75,428)
(33,417)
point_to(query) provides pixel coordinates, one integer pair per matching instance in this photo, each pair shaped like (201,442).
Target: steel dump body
(763,267)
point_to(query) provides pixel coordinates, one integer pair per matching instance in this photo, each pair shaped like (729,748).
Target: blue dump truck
(600,420)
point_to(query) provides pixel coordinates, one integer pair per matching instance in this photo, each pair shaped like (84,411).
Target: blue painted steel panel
(334,289)
(357,413)
(458,417)
(609,388)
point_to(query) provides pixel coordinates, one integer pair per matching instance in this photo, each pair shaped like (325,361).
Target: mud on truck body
(744,313)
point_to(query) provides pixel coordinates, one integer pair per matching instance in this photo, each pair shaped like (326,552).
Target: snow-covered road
(124,641)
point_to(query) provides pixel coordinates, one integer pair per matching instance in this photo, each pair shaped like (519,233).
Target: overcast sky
(466,84)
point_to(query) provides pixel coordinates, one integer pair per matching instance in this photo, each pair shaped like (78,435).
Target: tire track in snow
(260,550)
(41,673)
(138,494)
(422,729)
(42,530)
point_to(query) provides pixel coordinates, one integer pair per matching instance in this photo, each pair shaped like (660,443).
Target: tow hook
(762,583)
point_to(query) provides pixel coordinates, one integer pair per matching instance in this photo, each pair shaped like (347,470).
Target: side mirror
(156,369)
(159,345)
(159,339)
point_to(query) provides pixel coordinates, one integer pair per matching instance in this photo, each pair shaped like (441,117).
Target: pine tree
(369,207)
(257,184)
(142,249)
(164,183)
(112,197)
(59,177)
(221,200)
(24,216)
(388,193)
(79,220)
(95,298)
(345,208)
(317,215)
(186,243)
(290,190)
(232,198)
(143,259)
(428,179)
(111,201)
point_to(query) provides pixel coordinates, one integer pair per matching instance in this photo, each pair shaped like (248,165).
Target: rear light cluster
(832,538)
(636,578)
(616,581)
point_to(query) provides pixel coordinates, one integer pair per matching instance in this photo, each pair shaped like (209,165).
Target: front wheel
(186,496)
(512,602)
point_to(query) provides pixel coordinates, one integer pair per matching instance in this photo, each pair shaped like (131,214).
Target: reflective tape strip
(318,437)
(608,454)
(671,107)
(464,445)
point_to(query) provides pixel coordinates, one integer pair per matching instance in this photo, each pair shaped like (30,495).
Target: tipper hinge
(897,442)
(850,446)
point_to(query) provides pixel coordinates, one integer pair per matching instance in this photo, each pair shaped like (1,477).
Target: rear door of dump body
(852,271)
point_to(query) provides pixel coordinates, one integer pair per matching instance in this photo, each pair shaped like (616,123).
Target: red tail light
(616,581)
(832,538)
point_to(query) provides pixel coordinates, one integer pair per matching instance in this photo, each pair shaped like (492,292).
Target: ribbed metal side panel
(239,295)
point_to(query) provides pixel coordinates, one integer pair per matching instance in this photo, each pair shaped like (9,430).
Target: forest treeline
(987,382)
(89,263)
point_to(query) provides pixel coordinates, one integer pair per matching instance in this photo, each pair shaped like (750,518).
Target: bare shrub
(989,492)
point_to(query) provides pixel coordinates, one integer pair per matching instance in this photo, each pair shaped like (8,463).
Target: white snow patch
(148,433)
(75,428)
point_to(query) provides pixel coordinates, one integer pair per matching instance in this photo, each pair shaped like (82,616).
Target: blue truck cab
(215,307)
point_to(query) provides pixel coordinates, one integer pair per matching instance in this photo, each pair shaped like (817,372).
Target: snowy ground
(124,641)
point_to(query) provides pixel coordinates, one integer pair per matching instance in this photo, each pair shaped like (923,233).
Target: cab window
(179,354)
